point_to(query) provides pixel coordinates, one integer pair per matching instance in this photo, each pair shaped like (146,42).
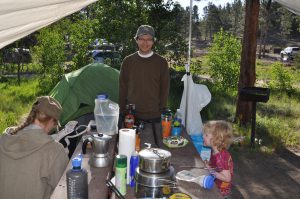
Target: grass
(277,121)
(16,100)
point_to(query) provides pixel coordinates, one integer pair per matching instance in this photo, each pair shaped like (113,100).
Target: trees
(224,60)
(247,69)
(49,53)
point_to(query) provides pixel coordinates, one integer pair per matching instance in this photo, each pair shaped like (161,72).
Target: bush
(297,61)
(281,78)
(224,60)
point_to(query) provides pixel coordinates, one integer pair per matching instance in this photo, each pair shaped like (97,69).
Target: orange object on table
(138,142)
(166,128)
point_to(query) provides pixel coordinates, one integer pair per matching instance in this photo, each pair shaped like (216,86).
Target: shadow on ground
(258,175)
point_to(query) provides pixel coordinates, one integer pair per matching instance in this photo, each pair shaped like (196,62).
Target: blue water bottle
(134,163)
(77,180)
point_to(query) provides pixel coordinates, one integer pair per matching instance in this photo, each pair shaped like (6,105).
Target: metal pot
(149,185)
(154,160)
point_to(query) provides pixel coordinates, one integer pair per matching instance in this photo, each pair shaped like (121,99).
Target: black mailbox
(254,94)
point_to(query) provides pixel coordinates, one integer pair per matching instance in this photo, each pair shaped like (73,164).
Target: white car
(289,52)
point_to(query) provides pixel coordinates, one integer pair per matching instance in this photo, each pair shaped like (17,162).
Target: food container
(149,185)
(154,160)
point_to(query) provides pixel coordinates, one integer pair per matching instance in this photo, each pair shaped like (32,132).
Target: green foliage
(281,78)
(16,100)
(81,35)
(297,61)
(224,60)
(49,54)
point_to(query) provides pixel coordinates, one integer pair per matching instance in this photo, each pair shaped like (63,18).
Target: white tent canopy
(19,18)
(292,5)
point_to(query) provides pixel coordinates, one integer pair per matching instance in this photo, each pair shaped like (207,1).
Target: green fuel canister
(121,173)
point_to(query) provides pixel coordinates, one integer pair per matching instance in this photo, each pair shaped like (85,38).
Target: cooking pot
(154,160)
(154,185)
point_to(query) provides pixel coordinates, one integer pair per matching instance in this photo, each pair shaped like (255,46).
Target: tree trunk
(247,70)
(264,31)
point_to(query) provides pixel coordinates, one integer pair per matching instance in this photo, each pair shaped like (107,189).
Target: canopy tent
(19,18)
(77,90)
(291,5)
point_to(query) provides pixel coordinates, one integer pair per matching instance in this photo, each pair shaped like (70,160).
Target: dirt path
(258,175)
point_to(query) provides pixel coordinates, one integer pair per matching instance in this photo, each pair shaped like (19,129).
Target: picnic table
(185,158)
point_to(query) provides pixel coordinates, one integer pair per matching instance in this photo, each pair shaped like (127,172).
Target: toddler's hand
(212,172)
(206,163)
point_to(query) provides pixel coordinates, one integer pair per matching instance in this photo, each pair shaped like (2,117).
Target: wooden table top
(186,158)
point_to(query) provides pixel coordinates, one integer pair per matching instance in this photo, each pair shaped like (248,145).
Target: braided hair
(29,119)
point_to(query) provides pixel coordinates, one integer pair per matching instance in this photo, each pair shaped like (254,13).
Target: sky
(201,4)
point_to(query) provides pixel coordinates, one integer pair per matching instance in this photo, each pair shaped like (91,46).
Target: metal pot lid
(154,154)
(155,180)
(101,136)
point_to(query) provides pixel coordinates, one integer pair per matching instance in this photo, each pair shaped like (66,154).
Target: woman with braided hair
(31,162)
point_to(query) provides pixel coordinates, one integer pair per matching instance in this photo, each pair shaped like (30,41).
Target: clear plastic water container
(106,114)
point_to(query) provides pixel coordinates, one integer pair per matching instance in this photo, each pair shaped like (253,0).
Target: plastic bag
(198,97)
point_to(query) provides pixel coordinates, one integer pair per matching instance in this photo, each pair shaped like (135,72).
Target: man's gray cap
(145,30)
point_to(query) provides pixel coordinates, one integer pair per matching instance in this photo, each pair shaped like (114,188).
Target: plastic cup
(176,131)
(207,182)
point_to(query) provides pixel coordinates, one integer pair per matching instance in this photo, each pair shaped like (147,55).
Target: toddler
(218,136)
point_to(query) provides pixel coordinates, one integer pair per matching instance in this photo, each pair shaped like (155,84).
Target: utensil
(114,189)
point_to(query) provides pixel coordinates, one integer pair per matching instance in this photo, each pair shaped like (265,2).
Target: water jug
(106,114)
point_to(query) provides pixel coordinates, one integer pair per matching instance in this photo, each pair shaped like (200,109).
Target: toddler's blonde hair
(221,133)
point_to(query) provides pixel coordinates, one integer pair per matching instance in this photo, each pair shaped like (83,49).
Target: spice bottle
(121,173)
(129,118)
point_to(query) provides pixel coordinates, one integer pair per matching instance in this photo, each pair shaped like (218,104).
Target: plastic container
(137,138)
(205,152)
(134,163)
(207,181)
(121,173)
(176,125)
(178,117)
(166,123)
(106,114)
(77,181)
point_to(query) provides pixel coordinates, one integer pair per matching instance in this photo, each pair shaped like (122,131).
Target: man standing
(144,78)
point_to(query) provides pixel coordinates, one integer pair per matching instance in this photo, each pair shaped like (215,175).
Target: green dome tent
(77,90)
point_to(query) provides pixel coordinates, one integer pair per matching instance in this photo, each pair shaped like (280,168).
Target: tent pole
(189,62)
